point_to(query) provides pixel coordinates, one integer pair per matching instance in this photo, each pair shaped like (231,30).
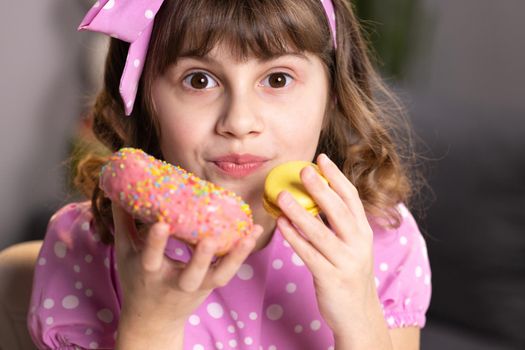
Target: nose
(240,118)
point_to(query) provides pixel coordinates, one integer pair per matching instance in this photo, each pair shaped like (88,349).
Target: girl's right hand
(159,294)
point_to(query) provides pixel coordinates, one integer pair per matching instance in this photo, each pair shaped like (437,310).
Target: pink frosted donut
(153,190)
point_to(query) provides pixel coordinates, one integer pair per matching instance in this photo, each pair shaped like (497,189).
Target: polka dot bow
(132,21)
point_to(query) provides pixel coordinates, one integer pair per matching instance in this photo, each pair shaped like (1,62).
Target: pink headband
(132,21)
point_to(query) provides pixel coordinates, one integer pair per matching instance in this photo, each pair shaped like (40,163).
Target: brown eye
(199,81)
(278,80)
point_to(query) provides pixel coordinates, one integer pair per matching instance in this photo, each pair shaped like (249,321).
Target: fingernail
(323,158)
(207,246)
(309,172)
(285,198)
(160,229)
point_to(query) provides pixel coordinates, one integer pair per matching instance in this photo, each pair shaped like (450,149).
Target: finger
(340,218)
(316,262)
(192,276)
(343,187)
(318,235)
(124,228)
(155,244)
(228,266)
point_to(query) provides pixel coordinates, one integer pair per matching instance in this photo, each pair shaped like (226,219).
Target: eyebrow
(210,60)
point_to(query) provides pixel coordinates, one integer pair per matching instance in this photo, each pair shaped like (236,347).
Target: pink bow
(132,21)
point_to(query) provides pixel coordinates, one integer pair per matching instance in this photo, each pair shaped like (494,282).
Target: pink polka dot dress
(270,304)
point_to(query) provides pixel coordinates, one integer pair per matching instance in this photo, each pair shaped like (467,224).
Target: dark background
(459,66)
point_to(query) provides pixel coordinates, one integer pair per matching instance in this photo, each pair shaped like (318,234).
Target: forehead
(223,53)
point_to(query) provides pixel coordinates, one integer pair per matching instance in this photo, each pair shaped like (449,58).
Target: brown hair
(359,133)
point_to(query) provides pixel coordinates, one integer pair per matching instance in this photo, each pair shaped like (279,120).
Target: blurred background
(459,67)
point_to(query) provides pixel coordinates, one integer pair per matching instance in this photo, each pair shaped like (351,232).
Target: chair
(16,278)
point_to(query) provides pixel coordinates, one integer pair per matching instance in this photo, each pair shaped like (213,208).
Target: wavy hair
(361,128)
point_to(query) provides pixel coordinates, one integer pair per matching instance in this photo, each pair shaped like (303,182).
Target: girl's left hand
(341,263)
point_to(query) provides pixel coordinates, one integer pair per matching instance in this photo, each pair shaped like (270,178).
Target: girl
(228,90)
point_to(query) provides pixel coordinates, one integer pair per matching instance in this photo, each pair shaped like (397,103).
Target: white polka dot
(50,320)
(407,301)
(215,310)
(424,251)
(76,268)
(277,264)
(85,226)
(245,272)
(106,262)
(70,302)
(88,292)
(88,331)
(88,258)
(419,271)
(234,315)
(230,329)
(219,345)
(149,14)
(105,315)
(233,343)
(96,237)
(376,280)
(240,324)
(298,328)
(60,249)
(253,316)
(136,62)
(179,252)
(297,260)
(274,312)
(427,280)
(194,320)
(391,321)
(248,341)
(331,348)
(129,104)
(93,345)
(272,347)
(42,261)
(403,240)
(315,325)
(78,285)
(49,303)
(383,267)
(198,347)
(291,287)
(109,5)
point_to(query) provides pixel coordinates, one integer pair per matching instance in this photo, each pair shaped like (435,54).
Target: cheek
(178,140)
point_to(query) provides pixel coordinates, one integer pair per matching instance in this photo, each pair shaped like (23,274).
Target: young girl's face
(230,122)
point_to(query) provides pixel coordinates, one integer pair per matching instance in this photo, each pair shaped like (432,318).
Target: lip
(239,165)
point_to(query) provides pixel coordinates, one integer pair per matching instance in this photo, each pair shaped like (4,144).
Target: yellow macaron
(287,177)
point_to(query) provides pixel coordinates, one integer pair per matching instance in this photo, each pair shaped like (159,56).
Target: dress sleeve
(402,273)
(74,302)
